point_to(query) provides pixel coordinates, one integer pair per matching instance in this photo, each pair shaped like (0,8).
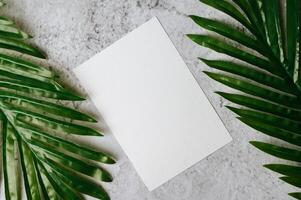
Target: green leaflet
(251,9)
(293,39)
(20,46)
(28,79)
(41,122)
(222,47)
(48,190)
(270,9)
(280,152)
(256,90)
(292,180)
(36,91)
(4,20)
(30,73)
(71,162)
(69,146)
(269,119)
(229,32)
(46,187)
(29,172)
(12,191)
(12,32)
(63,190)
(34,84)
(11,101)
(262,105)
(13,63)
(252,74)
(229,9)
(78,182)
(273,131)
(296,195)
(286,170)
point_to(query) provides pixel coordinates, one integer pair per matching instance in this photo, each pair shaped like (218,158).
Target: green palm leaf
(34,127)
(268,72)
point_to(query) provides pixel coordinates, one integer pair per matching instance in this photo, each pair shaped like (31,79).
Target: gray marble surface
(71,31)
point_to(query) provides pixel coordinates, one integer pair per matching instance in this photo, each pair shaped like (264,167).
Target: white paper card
(152,104)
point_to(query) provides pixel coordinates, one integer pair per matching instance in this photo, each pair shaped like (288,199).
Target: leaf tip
(296,195)
(284,178)
(91,119)
(106,177)
(192,37)
(189,35)
(203,60)
(193,17)
(233,109)
(254,143)
(206,72)
(220,93)
(98,133)
(269,166)
(229,107)
(40,54)
(78,98)
(211,74)
(109,160)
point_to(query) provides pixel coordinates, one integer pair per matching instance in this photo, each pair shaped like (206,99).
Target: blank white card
(152,104)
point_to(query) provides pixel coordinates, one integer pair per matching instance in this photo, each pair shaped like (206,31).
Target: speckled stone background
(71,31)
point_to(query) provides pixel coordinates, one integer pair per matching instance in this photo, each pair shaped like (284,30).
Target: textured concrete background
(71,31)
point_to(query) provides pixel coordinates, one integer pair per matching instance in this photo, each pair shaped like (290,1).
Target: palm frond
(34,129)
(270,78)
